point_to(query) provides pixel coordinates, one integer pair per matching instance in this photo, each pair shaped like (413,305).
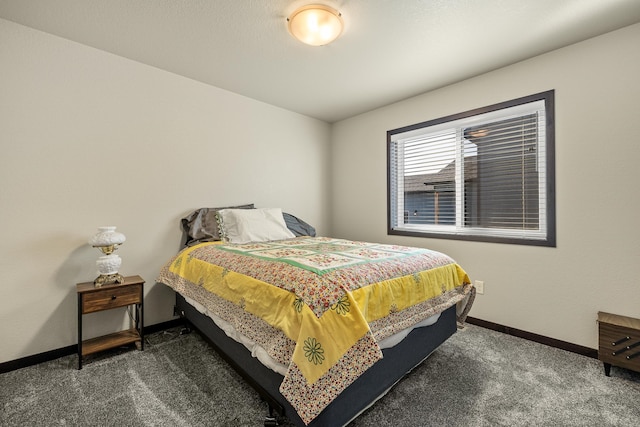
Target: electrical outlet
(479,285)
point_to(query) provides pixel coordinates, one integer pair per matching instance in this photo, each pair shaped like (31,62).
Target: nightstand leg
(607,369)
(79,331)
(142,326)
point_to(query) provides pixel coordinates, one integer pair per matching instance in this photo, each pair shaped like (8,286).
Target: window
(485,175)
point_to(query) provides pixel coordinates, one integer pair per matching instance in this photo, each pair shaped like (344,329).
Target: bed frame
(397,362)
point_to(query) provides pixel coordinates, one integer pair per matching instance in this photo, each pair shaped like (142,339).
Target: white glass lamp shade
(108,264)
(107,236)
(315,25)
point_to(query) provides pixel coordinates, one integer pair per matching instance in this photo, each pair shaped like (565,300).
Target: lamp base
(108,279)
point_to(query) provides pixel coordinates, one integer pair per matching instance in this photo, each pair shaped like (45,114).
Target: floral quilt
(318,305)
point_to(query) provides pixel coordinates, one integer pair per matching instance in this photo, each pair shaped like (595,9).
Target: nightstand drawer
(112,297)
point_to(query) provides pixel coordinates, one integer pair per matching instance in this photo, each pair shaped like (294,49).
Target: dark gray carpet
(477,378)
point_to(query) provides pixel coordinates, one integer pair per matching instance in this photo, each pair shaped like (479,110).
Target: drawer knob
(620,341)
(629,347)
(113,297)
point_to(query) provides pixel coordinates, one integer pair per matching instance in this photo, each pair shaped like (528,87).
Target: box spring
(374,383)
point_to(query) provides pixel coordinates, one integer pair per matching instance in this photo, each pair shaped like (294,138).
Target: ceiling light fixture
(315,24)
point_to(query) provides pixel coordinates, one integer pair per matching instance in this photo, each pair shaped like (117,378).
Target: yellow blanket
(323,294)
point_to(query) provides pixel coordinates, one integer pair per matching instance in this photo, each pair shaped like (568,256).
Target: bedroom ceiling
(390,49)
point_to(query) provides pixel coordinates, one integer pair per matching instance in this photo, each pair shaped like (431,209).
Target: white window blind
(483,175)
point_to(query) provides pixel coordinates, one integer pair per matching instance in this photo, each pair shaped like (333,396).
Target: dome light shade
(315,24)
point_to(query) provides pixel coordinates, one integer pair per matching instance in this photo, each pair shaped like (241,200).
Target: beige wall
(89,139)
(554,292)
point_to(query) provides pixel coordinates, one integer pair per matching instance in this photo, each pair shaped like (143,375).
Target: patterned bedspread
(318,305)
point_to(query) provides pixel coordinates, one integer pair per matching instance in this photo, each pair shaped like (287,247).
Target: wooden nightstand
(619,341)
(92,299)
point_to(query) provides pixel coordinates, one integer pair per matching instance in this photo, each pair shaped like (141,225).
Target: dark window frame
(548,98)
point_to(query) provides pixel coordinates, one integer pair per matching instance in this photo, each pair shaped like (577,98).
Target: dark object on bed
(201,225)
(298,226)
(397,361)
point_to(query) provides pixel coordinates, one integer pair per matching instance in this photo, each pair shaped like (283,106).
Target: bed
(320,327)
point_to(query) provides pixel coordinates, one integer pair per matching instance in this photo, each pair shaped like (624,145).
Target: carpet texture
(478,377)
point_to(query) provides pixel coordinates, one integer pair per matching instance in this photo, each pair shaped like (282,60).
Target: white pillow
(253,225)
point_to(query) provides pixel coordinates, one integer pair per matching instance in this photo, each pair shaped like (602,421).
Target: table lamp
(108,240)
